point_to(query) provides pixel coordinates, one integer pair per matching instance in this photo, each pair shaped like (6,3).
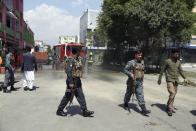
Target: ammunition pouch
(139,74)
(77,73)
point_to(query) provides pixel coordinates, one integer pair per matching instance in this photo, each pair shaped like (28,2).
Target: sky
(51,18)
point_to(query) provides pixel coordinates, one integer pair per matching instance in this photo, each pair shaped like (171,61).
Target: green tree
(98,37)
(146,23)
(49,50)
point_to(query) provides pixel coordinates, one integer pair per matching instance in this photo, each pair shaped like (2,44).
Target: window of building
(8,3)
(9,22)
(17,26)
(0,13)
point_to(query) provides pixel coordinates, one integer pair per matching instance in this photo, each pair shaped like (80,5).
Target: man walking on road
(28,65)
(74,86)
(135,72)
(172,68)
(9,71)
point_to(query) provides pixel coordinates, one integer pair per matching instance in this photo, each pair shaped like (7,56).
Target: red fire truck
(65,50)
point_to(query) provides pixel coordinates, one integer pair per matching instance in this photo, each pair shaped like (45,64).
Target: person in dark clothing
(74,85)
(28,65)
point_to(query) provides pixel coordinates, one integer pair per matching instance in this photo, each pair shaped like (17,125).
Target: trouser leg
(79,93)
(25,83)
(30,83)
(140,92)
(12,79)
(80,98)
(172,89)
(65,100)
(128,94)
(7,79)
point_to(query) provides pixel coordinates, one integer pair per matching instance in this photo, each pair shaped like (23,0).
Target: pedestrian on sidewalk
(172,68)
(9,71)
(74,86)
(28,66)
(135,72)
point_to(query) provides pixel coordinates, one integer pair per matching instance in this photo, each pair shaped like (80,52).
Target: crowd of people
(134,69)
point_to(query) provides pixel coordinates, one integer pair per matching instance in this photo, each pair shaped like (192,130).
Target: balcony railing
(28,36)
(9,31)
(1,27)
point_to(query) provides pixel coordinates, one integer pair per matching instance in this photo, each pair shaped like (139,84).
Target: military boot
(13,89)
(169,113)
(87,113)
(144,110)
(126,105)
(61,113)
(5,90)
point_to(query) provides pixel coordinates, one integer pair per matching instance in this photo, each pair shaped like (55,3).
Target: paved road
(104,91)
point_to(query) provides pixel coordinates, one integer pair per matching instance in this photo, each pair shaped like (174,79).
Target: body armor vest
(138,69)
(77,67)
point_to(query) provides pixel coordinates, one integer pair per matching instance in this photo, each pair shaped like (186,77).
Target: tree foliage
(49,50)
(144,21)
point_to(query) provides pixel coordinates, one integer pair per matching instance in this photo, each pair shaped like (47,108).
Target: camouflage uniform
(137,68)
(74,73)
(9,71)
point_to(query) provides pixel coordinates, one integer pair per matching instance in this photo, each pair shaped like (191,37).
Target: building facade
(40,45)
(14,31)
(88,23)
(68,39)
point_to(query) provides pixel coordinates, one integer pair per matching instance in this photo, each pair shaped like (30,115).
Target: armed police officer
(9,71)
(74,85)
(172,68)
(135,72)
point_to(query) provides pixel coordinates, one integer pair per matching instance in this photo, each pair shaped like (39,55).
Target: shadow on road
(1,83)
(131,106)
(194,126)
(163,107)
(35,87)
(74,110)
(193,112)
(17,88)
